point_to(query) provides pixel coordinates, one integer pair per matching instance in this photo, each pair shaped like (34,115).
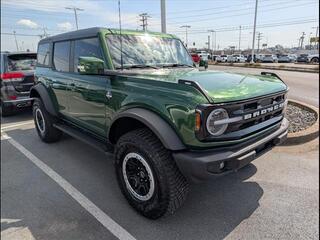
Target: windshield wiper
(177,65)
(140,66)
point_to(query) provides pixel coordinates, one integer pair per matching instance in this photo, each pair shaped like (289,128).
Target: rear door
(21,67)
(87,106)
(61,77)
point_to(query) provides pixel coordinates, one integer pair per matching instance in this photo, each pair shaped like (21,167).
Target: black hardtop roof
(88,32)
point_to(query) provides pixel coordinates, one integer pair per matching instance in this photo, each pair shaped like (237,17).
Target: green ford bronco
(138,95)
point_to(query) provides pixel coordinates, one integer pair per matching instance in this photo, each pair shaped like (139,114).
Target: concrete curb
(294,69)
(307,135)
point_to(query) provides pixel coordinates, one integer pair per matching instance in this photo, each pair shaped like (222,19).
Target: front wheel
(147,174)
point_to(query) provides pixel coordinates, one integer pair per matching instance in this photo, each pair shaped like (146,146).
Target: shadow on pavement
(213,209)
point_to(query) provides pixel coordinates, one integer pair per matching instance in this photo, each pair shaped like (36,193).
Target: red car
(195,57)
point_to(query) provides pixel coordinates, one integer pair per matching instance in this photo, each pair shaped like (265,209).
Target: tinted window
(61,56)
(21,62)
(43,54)
(89,47)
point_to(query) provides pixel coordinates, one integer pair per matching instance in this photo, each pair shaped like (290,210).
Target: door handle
(109,94)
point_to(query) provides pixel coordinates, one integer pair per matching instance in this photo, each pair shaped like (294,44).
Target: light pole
(239,37)
(254,31)
(186,27)
(75,9)
(212,46)
(163,16)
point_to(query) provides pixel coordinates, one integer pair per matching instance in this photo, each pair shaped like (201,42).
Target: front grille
(251,107)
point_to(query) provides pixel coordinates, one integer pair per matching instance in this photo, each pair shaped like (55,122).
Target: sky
(279,21)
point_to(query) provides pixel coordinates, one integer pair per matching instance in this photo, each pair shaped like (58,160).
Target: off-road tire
(49,133)
(171,187)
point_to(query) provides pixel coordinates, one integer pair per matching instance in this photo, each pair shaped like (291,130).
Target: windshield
(20,62)
(147,50)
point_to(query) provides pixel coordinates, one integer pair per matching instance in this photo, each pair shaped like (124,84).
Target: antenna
(121,58)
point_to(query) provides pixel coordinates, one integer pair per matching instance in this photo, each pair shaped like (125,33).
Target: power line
(235,15)
(235,28)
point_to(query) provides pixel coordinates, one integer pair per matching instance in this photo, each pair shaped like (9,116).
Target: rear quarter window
(43,55)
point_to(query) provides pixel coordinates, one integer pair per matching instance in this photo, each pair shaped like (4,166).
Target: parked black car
(302,58)
(16,79)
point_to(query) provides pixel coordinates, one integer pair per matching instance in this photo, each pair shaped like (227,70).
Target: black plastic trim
(202,165)
(45,97)
(157,125)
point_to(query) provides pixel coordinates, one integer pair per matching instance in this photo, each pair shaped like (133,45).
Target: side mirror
(90,65)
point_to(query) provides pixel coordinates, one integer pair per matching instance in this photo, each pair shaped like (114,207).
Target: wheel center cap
(142,174)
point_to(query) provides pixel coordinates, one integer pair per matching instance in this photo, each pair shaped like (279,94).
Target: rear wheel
(44,123)
(147,174)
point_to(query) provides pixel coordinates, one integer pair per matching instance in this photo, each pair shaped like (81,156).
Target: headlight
(212,126)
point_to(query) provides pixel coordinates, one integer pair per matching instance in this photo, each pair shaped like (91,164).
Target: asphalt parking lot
(68,190)
(276,197)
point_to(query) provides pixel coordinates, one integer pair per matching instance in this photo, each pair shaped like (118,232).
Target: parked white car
(239,58)
(221,58)
(203,55)
(269,58)
(313,58)
(293,57)
(231,59)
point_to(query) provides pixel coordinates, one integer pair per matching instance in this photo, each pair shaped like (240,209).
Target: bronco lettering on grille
(263,111)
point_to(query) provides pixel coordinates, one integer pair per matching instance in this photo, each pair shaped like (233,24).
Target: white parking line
(96,212)
(17,125)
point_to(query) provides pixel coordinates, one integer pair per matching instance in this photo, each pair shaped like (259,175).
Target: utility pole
(163,16)
(144,20)
(259,38)
(15,39)
(186,27)
(302,38)
(75,9)
(254,31)
(317,32)
(239,38)
(208,42)
(310,40)
(299,39)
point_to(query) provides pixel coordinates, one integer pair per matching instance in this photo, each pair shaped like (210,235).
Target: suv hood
(220,86)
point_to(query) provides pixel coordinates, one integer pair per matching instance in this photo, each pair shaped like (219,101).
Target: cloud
(27,23)
(65,26)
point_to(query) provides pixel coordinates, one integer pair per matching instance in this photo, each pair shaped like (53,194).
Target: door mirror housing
(90,66)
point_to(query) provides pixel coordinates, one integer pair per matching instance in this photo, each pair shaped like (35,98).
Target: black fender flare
(40,90)
(156,124)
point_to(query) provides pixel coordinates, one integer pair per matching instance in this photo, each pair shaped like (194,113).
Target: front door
(87,101)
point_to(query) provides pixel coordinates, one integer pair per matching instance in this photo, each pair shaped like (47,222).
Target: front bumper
(202,165)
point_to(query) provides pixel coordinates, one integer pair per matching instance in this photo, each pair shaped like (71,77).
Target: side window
(89,47)
(61,56)
(43,55)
